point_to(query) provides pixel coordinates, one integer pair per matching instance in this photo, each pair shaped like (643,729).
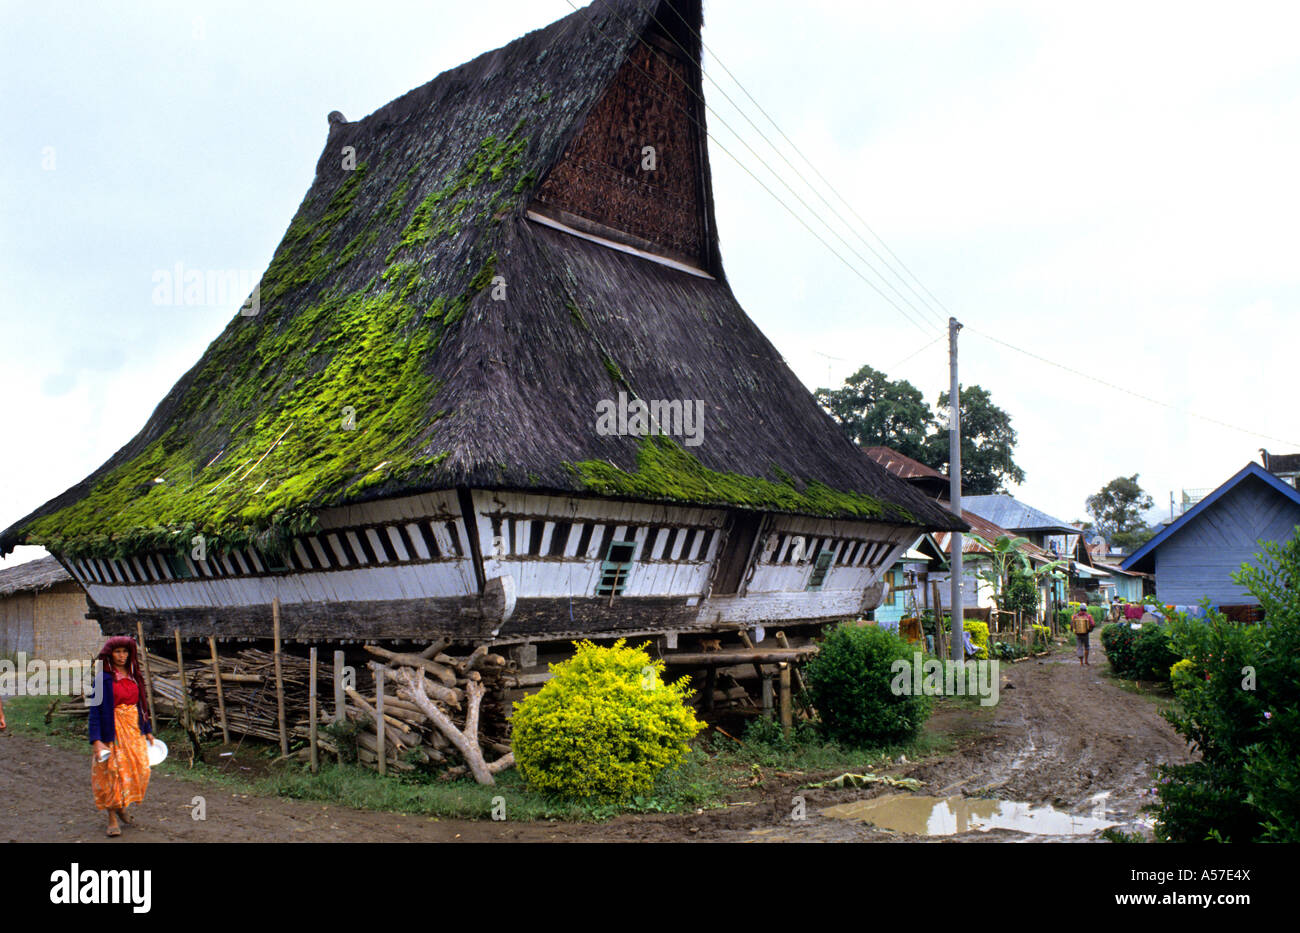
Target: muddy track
(1060,734)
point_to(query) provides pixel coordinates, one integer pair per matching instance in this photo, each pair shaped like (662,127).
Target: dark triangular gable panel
(637,172)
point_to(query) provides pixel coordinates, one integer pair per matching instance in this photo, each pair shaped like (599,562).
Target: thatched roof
(378,299)
(33,576)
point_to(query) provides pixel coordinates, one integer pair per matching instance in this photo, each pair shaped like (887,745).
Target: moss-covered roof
(378,363)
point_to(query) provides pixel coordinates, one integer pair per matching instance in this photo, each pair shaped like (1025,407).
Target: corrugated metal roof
(989,532)
(899,464)
(1009,512)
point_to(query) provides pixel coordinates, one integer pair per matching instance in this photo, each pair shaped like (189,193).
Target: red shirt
(125,692)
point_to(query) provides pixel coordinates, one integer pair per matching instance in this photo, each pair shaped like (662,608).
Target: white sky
(1113,186)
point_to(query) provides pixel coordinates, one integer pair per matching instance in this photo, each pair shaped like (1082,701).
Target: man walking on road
(1082,624)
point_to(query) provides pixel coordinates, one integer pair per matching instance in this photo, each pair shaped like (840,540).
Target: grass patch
(718,769)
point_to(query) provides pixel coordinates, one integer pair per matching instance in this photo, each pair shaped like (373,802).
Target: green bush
(1042,635)
(1119,640)
(603,727)
(1153,653)
(1238,704)
(1182,675)
(1144,654)
(849,682)
(1006,651)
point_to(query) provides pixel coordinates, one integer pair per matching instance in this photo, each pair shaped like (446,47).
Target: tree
(1014,578)
(987,443)
(875,411)
(1117,511)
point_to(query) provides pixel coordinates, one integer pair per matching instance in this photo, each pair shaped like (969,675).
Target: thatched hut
(43,614)
(432,416)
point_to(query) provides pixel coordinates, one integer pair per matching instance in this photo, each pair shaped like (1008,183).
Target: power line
(926,306)
(751,174)
(808,162)
(926,309)
(916,353)
(1119,388)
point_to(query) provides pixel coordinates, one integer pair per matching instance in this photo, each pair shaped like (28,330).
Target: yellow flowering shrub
(979,636)
(1183,674)
(604,726)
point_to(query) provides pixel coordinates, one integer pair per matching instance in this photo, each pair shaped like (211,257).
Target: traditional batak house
(431,419)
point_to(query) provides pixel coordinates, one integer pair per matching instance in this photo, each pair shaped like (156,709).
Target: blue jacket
(102,728)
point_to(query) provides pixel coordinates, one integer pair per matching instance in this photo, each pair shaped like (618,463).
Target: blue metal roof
(1250,469)
(1014,515)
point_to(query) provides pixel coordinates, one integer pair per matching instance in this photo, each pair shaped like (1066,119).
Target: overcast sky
(1112,186)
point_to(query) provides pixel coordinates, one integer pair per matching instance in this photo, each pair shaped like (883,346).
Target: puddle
(945,816)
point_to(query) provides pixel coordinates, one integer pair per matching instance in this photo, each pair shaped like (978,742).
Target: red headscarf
(132,665)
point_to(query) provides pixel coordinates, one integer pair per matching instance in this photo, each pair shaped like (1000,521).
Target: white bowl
(157,751)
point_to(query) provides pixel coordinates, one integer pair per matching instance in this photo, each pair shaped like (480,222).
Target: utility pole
(954,490)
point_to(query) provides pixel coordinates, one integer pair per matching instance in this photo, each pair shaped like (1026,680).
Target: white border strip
(622,248)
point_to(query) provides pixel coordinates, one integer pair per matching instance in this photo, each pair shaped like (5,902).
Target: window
(180,567)
(272,561)
(615,568)
(820,568)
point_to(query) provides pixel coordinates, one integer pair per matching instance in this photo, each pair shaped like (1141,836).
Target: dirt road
(1059,735)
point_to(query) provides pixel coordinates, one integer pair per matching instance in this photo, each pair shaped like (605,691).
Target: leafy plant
(604,726)
(1144,654)
(850,684)
(1238,704)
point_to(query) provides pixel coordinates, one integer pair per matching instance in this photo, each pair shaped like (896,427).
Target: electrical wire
(1119,388)
(751,174)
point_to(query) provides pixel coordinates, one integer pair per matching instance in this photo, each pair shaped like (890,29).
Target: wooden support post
(379,718)
(339,699)
(148,674)
(940,643)
(787,717)
(221,693)
(279,677)
(311,711)
(804,702)
(710,679)
(749,643)
(767,694)
(180,673)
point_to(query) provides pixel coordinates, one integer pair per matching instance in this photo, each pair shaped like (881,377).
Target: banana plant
(1005,555)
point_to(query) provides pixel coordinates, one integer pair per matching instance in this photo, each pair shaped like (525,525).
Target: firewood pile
(249,691)
(166,697)
(443,711)
(446,711)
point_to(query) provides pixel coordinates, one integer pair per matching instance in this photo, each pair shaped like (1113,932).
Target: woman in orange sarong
(119,728)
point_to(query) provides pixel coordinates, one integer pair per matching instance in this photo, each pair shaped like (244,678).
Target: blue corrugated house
(1195,556)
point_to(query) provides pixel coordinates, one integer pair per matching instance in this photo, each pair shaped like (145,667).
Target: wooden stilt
(767,695)
(940,642)
(339,699)
(311,711)
(279,676)
(221,693)
(787,717)
(379,720)
(185,692)
(148,674)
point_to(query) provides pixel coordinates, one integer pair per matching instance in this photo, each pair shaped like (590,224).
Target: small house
(43,614)
(1195,556)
